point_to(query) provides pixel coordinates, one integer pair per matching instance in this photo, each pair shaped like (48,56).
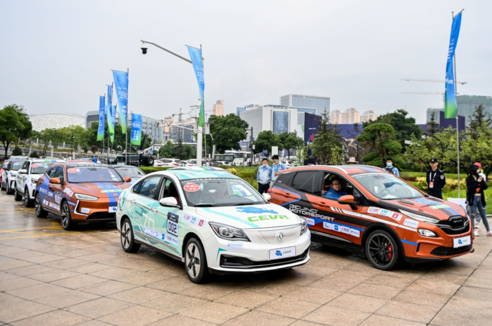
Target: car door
(143,199)
(169,220)
(55,190)
(21,179)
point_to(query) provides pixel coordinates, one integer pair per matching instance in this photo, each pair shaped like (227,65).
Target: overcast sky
(57,55)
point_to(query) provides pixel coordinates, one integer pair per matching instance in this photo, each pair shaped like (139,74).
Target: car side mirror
(267,197)
(348,200)
(169,202)
(128,179)
(55,181)
(22,171)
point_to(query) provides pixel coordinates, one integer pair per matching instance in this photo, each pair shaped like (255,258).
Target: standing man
(390,168)
(277,166)
(435,179)
(264,176)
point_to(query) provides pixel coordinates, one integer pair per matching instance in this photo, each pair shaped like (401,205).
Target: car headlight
(228,232)
(427,233)
(34,180)
(86,197)
(420,218)
(304,225)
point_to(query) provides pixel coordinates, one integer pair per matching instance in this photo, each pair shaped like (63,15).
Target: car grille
(227,261)
(447,251)
(455,225)
(273,236)
(101,215)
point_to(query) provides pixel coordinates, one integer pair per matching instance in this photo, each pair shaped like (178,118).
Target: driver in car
(335,191)
(221,192)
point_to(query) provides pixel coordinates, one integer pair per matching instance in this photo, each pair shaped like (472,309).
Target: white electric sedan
(214,222)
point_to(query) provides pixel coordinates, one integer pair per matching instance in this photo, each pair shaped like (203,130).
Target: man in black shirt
(435,179)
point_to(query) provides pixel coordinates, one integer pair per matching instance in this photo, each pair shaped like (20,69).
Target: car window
(50,172)
(169,189)
(25,166)
(81,174)
(386,186)
(40,168)
(58,173)
(308,181)
(285,178)
(148,187)
(15,166)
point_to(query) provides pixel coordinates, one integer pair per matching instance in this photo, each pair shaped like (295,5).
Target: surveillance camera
(144,49)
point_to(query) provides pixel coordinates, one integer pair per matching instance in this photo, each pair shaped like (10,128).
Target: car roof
(84,165)
(185,174)
(199,168)
(344,169)
(124,166)
(41,160)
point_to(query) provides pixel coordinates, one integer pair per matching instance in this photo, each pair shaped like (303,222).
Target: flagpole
(199,133)
(126,118)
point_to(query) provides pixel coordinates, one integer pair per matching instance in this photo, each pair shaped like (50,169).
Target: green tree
(290,141)
(167,150)
(179,151)
(478,119)
(403,126)
(190,151)
(265,140)
(326,139)
(34,154)
(227,131)
(380,137)
(14,125)
(432,126)
(301,154)
(17,151)
(336,156)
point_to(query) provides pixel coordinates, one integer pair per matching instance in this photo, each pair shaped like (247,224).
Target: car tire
(127,239)
(150,161)
(17,196)
(1,186)
(27,201)
(38,208)
(382,250)
(9,190)
(196,261)
(66,216)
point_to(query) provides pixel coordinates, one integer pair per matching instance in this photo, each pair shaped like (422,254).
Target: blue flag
(121,88)
(451,105)
(100,130)
(136,136)
(197,61)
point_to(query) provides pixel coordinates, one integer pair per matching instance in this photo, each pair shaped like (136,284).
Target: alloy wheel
(381,250)
(126,235)
(193,263)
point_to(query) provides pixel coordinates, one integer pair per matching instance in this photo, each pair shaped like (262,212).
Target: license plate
(113,209)
(282,253)
(461,242)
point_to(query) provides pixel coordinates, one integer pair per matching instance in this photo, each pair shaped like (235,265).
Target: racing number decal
(172,224)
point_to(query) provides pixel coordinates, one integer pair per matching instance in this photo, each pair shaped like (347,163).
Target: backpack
(389,169)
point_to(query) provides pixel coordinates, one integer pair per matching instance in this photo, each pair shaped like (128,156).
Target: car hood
(437,208)
(98,189)
(253,216)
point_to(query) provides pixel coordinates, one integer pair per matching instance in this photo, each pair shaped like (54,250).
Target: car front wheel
(27,200)
(195,261)
(40,212)
(66,216)
(382,250)
(127,241)
(17,196)
(9,190)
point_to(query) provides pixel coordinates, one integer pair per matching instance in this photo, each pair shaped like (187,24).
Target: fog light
(427,233)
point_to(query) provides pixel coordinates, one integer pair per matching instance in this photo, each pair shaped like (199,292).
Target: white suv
(10,172)
(28,176)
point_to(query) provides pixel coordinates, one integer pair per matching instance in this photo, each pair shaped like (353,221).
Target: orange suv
(366,208)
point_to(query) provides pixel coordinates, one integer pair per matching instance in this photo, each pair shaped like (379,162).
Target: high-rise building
(319,103)
(368,116)
(276,118)
(239,109)
(466,107)
(219,108)
(336,117)
(350,116)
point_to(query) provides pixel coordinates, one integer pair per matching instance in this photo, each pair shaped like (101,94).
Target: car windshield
(220,192)
(92,174)
(130,172)
(16,166)
(386,186)
(40,168)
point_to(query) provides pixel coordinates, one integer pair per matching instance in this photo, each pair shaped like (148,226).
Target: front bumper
(226,257)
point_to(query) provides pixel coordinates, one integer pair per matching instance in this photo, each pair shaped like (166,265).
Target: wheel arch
(382,227)
(187,237)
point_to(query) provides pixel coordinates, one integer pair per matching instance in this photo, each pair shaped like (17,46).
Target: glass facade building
(239,110)
(280,122)
(319,103)
(466,107)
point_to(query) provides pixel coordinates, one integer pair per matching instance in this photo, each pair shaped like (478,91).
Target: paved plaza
(49,276)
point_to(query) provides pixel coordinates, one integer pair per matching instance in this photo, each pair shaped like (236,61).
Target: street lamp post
(199,132)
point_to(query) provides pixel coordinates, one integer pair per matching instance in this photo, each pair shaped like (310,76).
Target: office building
(276,118)
(350,116)
(218,108)
(466,107)
(319,103)
(368,116)
(239,109)
(336,117)
(149,125)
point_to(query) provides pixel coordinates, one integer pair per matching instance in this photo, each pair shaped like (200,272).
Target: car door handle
(154,210)
(133,201)
(287,194)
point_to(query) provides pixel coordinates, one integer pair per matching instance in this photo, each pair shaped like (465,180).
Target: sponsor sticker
(235,246)
(461,242)
(35,166)
(73,170)
(438,206)
(111,190)
(54,206)
(112,209)
(191,187)
(172,224)
(68,192)
(170,239)
(310,221)
(282,253)
(385,212)
(411,223)
(85,210)
(355,233)
(328,225)
(57,199)
(194,220)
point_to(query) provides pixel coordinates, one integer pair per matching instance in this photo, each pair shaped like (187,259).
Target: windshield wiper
(205,205)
